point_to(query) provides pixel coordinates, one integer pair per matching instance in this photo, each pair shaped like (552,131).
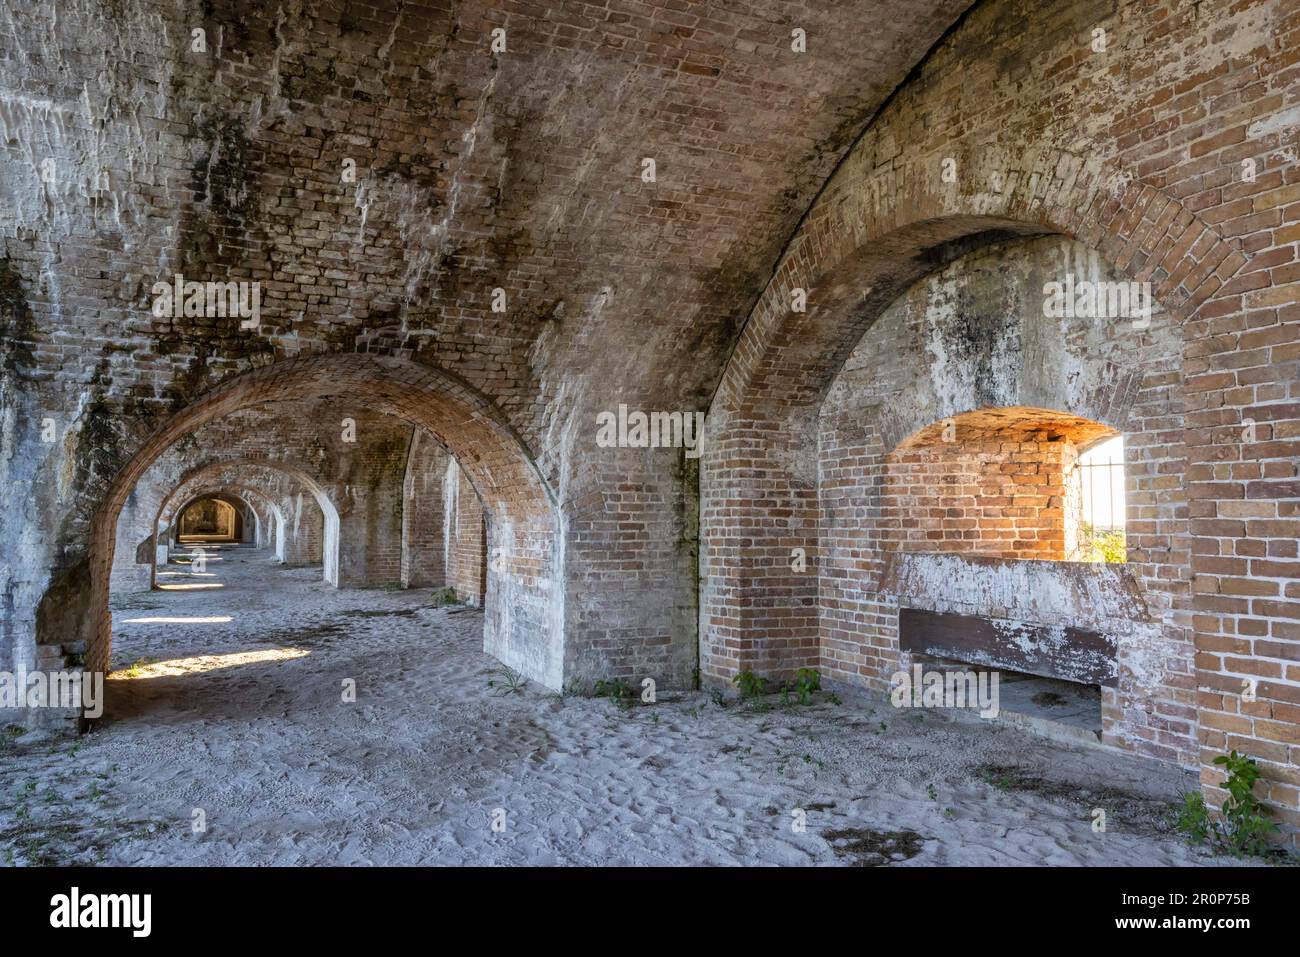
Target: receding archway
(266,524)
(256,527)
(143,551)
(268,531)
(524,624)
(209,518)
(225,471)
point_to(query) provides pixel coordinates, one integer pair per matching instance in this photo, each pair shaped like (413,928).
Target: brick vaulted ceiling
(520,170)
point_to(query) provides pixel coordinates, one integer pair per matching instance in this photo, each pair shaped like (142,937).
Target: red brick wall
(1002,498)
(1151,173)
(444,530)
(422,513)
(465,541)
(304,530)
(369,478)
(631,553)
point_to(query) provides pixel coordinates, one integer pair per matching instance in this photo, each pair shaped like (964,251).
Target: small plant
(1243,828)
(506,681)
(445,596)
(932,792)
(750,684)
(999,781)
(806,681)
(1194,818)
(572,689)
(618,691)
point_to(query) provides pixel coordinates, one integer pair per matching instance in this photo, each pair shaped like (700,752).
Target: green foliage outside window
(1102,544)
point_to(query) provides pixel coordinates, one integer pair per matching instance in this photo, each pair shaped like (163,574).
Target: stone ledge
(1103,597)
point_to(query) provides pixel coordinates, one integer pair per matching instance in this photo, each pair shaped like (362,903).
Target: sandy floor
(242,718)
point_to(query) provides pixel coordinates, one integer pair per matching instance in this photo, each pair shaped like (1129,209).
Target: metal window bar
(1112,479)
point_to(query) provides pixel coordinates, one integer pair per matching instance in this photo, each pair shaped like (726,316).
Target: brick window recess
(1000,483)
(963,449)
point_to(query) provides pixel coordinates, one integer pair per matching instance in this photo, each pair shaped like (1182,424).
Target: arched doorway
(524,621)
(322,532)
(209,518)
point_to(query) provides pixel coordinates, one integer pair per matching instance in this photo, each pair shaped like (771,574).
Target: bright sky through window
(1101,478)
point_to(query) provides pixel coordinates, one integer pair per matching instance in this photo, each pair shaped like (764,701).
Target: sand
(241,718)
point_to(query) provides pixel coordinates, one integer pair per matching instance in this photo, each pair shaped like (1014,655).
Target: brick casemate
(1200,201)
(466,244)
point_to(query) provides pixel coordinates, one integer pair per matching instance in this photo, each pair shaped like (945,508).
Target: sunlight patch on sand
(202,663)
(179,620)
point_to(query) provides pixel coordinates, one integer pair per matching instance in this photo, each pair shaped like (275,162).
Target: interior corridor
(392,394)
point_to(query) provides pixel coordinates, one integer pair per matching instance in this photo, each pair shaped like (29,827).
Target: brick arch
(235,503)
(296,472)
(870,236)
(245,495)
(142,546)
(205,472)
(276,514)
(524,620)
